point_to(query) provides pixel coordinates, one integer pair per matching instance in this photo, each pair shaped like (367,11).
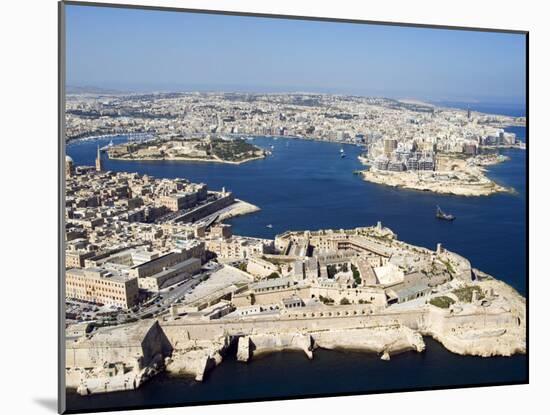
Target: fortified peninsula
(155,282)
(233,151)
(450,174)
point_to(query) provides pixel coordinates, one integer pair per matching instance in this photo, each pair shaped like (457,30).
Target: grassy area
(233,150)
(442,302)
(465,294)
(356,275)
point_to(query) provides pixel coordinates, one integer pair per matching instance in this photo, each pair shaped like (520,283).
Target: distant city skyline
(143,50)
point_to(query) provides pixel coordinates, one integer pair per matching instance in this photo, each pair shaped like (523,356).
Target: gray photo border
(61,393)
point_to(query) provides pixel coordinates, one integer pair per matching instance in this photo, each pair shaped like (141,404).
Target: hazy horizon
(132,50)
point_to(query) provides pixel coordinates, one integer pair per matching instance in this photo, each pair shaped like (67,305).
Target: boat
(270,226)
(343,155)
(442,215)
(341,150)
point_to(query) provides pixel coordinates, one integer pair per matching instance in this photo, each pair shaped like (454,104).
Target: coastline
(494,325)
(409,181)
(454,345)
(349,371)
(454,176)
(190,159)
(239,208)
(102,136)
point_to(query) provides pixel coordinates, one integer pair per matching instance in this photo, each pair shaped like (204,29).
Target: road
(172,294)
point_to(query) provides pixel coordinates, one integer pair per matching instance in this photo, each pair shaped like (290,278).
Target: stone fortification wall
(479,333)
(270,297)
(375,296)
(207,209)
(118,346)
(299,321)
(442,320)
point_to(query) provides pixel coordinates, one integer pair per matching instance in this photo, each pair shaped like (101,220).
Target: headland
(233,151)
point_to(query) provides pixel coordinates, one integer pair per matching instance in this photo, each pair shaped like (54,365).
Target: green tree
(356,275)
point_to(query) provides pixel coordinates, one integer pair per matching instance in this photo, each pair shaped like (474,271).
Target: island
(156,281)
(219,150)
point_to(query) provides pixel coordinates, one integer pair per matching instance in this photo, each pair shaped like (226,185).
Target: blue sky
(141,50)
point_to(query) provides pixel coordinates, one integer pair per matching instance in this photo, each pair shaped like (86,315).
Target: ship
(439,214)
(270,226)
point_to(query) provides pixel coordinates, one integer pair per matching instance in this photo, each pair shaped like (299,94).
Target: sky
(144,50)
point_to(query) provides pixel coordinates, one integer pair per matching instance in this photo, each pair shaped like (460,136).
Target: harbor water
(308,185)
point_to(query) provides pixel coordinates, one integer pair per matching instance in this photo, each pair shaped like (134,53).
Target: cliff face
(489,323)
(385,340)
(484,343)
(195,361)
(250,346)
(115,359)
(494,326)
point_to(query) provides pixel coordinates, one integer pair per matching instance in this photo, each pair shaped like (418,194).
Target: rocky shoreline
(458,330)
(470,314)
(239,208)
(410,181)
(189,159)
(465,329)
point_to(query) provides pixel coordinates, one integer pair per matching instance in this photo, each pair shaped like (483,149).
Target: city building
(390,144)
(69,166)
(101,286)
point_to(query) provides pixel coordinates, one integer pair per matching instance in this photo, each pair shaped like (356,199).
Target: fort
(359,289)
(218,150)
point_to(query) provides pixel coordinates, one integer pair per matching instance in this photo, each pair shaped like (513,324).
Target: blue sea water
(292,374)
(307,185)
(513,109)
